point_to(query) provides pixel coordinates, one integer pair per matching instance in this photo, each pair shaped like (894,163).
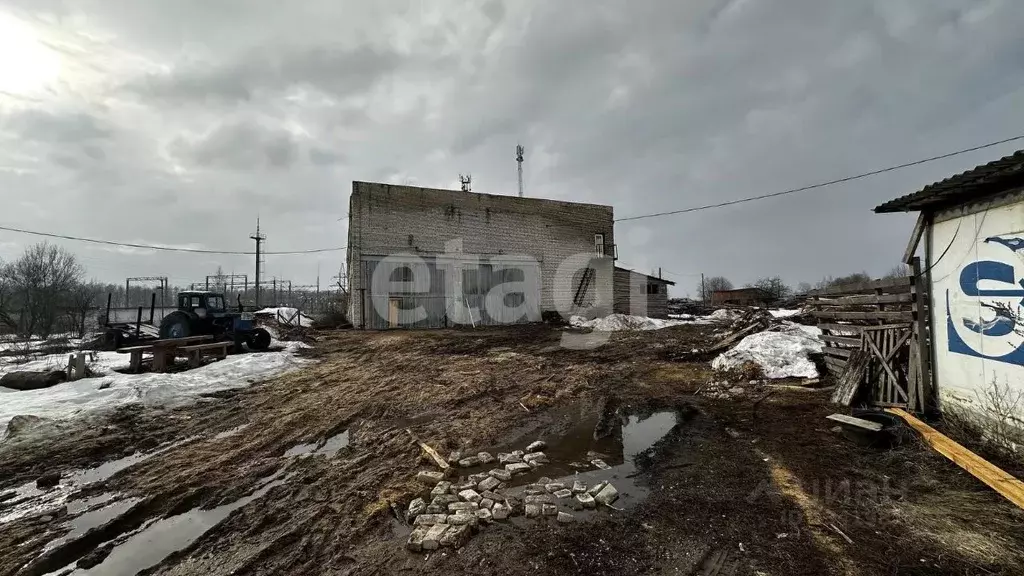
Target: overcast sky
(177,122)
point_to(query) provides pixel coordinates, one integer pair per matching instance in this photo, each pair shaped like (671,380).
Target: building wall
(631,295)
(976,260)
(386,220)
(749,296)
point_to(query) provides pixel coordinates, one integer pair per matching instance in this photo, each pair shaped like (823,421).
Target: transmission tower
(519,160)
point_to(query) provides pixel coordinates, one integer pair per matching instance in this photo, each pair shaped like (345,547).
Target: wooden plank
(210,346)
(134,349)
(845,340)
(1011,488)
(841,328)
(901,281)
(440,461)
(883,362)
(855,422)
(852,378)
(915,238)
(835,365)
(921,329)
(907,316)
(841,352)
(864,300)
(902,326)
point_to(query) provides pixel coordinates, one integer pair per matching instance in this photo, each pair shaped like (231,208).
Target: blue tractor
(205,313)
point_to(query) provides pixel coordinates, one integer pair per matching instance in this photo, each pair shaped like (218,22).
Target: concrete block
(444,500)
(502,486)
(484,515)
(485,457)
(565,518)
(586,500)
(536,446)
(596,488)
(492,496)
(500,511)
(565,493)
(509,459)
(501,474)
(443,487)
(543,480)
(465,486)
(579,487)
(553,487)
(469,462)
(455,456)
(432,539)
(416,507)
(519,453)
(477,478)
(487,503)
(415,543)
(598,463)
(437,509)
(518,468)
(456,507)
(429,477)
(607,495)
(532,510)
(534,464)
(538,499)
(535,491)
(470,496)
(464,519)
(456,536)
(548,509)
(430,519)
(489,483)
(540,457)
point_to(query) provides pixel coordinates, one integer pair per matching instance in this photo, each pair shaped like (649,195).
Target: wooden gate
(888,321)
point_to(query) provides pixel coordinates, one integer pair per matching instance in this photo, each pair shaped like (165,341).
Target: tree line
(774,288)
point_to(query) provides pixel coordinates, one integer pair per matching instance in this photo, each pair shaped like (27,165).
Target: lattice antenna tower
(519,160)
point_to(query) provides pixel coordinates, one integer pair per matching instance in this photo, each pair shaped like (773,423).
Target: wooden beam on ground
(855,422)
(441,462)
(865,299)
(901,281)
(1011,488)
(907,316)
(844,340)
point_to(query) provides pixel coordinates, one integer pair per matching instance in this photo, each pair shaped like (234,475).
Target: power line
(823,184)
(163,248)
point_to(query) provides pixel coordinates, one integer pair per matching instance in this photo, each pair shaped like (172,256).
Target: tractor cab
(201,303)
(206,313)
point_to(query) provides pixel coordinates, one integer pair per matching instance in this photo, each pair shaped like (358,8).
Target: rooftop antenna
(519,160)
(467,182)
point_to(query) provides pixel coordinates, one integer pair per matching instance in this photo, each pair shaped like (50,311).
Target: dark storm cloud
(260,108)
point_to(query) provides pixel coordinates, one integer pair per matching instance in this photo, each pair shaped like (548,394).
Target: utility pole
(259,238)
(519,160)
(703,290)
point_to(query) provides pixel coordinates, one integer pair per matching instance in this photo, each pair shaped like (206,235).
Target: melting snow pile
(783,313)
(782,354)
(288,316)
(616,322)
(67,399)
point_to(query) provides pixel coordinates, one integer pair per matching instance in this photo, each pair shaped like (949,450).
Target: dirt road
(301,474)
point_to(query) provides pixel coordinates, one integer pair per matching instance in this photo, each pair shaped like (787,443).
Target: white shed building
(972,230)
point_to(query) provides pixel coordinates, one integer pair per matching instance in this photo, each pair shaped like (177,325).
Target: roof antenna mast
(519,160)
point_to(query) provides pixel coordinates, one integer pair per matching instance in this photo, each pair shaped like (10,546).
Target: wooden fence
(885,322)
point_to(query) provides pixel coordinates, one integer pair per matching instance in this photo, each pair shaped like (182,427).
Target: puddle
(232,432)
(89,520)
(328,447)
(628,437)
(29,500)
(163,537)
(79,506)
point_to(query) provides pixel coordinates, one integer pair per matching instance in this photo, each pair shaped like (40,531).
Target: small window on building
(599,244)
(653,288)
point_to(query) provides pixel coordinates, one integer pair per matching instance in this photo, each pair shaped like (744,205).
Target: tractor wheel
(259,339)
(176,325)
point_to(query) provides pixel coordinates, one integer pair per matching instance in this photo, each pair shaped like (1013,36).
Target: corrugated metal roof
(979,182)
(649,277)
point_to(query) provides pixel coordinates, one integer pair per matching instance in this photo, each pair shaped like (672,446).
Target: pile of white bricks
(457,510)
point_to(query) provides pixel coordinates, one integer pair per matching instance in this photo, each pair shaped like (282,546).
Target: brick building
(422,257)
(640,294)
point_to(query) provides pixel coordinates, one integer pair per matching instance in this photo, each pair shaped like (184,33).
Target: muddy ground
(239,482)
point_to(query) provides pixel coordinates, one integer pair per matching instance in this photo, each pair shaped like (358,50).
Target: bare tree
(772,287)
(711,285)
(855,278)
(39,283)
(804,288)
(80,300)
(898,271)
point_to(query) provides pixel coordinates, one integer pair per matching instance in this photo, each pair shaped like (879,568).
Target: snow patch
(288,316)
(71,398)
(616,322)
(783,313)
(781,354)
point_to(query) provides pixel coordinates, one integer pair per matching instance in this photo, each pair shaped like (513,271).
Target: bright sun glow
(26,64)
